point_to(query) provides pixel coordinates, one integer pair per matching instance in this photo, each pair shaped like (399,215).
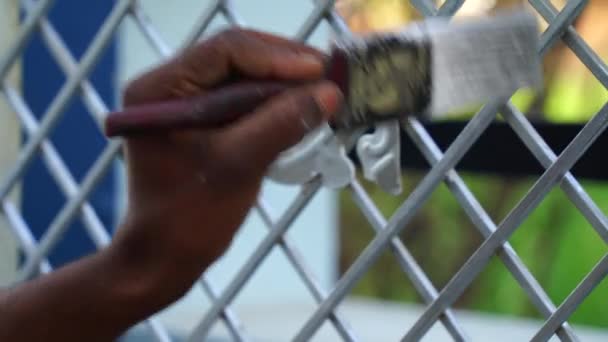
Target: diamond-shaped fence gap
(576,250)
(496,291)
(55,51)
(277,196)
(57,167)
(317,244)
(20,232)
(590,312)
(326,333)
(274,293)
(574,94)
(136,54)
(87,230)
(497,194)
(305,232)
(304,271)
(407,263)
(169,21)
(36,180)
(570,309)
(64,136)
(558,4)
(573,40)
(354,233)
(82,22)
(55,110)
(321,37)
(217,24)
(385,202)
(442,236)
(557,245)
(597,191)
(243,245)
(439,232)
(152,34)
(287,16)
(45,67)
(218,333)
(382,320)
(183,315)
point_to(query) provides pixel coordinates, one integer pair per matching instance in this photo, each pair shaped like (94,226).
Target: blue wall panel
(77,137)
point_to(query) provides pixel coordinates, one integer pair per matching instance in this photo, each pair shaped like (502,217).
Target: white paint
(314,232)
(10,137)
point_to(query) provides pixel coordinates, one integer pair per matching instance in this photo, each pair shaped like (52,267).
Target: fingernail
(325,100)
(328,98)
(308,60)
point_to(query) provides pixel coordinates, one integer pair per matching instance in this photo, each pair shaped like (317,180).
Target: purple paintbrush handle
(214,109)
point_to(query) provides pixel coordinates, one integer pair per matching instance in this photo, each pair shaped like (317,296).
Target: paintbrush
(428,69)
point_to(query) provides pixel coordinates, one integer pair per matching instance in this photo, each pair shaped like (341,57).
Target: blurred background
(555,242)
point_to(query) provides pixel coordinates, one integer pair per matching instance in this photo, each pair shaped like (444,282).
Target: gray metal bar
(404,214)
(591,281)
(486,226)
(27,29)
(58,169)
(337,24)
(68,185)
(230,14)
(307,276)
(571,187)
(428,9)
(481,257)
(306,194)
(414,272)
(449,8)
(55,164)
(153,37)
(561,23)
(580,48)
(68,64)
(55,110)
(22,233)
(60,224)
(202,23)
(234,326)
(314,18)
(231,321)
(225,8)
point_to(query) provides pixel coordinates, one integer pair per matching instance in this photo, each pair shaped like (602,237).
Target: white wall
(9,138)
(315,231)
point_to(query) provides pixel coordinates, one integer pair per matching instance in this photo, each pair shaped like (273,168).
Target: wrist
(147,265)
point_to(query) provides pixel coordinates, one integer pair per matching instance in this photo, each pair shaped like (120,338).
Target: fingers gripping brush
(427,69)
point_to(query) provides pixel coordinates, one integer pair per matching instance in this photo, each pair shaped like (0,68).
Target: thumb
(280,123)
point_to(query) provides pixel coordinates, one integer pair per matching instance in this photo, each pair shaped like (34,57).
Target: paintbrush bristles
(482,60)
(434,67)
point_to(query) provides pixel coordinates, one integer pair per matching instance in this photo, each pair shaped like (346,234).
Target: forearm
(94,299)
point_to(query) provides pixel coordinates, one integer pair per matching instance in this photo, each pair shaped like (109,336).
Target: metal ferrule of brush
(432,67)
(382,77)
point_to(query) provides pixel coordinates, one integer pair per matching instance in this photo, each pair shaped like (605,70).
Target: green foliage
(555,242)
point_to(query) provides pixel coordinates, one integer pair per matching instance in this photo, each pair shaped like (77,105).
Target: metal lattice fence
(439,301)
